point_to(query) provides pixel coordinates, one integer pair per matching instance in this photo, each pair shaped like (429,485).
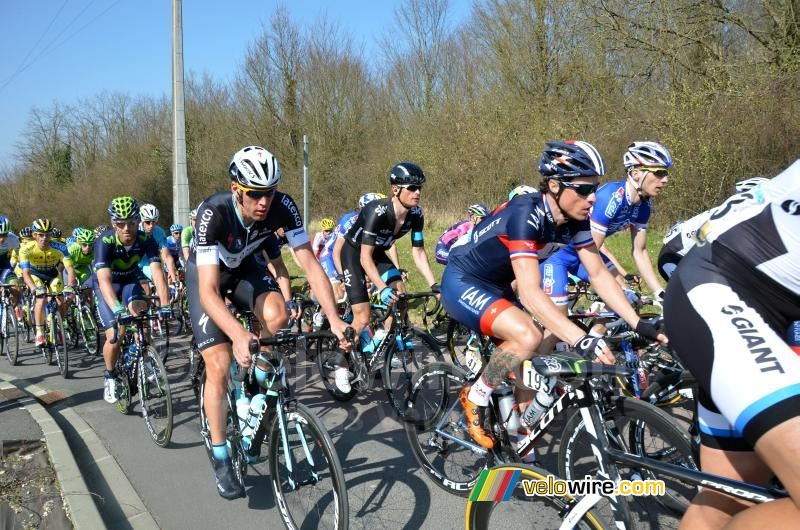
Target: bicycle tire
(9,341)
(576,460)
(89,332)
(479,513)
(322,467)
(397,379)
(328,358)
(232,433)
(72,323)
(153,376)
(61,337)
(452,466)
(124,392)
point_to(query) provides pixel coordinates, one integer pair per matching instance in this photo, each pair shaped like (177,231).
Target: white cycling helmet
(521,190)
(368,198)
(650,154)
(255,167)
(148,212)
(748,184)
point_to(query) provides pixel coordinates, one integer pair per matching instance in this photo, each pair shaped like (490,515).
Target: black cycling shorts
(355,280)
(668,259)
(241,286)
(727,322)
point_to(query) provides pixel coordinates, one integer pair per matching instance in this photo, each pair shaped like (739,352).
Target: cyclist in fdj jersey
(118,252)
(149,224)
(680,239)
(326,228)
(363,253)
(40,270)
(232,227)
(476,285)
(459,233)
(727,309)
(620,205)
(186,236)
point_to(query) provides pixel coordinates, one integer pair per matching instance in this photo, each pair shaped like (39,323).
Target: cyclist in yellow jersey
(40,269)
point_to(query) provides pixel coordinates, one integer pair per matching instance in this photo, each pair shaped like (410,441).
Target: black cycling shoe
(228,486)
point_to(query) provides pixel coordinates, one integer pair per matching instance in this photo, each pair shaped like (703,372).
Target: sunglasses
(412,188)
(42,234)
(658,172)
(584,190)
(148,222)
(257,194)
(129,222)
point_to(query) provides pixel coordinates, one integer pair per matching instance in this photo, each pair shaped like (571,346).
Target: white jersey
(11,243)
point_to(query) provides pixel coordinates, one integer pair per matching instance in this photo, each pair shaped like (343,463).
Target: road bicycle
(9,326)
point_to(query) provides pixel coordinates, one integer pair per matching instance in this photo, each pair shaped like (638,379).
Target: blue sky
(67,50)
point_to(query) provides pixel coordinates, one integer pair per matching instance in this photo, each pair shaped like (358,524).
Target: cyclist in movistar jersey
(476,285)
(727,309)
(116,284)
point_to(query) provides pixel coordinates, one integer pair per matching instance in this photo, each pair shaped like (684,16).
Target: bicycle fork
(290,464)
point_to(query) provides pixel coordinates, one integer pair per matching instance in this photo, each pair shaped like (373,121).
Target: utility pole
(180,181)
(305,182)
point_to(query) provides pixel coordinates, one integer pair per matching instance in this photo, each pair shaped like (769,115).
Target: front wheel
(61,340)
(9,335)
(549,511)
(419,350)
(307,477)
(155,397)
(91,337)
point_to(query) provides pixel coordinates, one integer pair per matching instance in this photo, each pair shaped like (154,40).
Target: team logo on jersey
(791,207)
(533,221)
(290,205)
(380,210)
(474,298)
(416,210)
(614,202)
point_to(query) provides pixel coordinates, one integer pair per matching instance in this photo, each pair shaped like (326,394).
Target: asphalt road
(386,488)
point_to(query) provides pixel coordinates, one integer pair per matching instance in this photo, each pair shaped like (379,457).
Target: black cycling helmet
(568,159)
(406,174)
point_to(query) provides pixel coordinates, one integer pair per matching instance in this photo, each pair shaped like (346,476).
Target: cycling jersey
(124,260)
(7,251)
(223,239)
(82,263)
(476,285)
(160,236)
(186,236)
(326,256)
(318,242)
(376,226)
(728,307)
(42,263)
(458,234)
(59,246)
(173,245)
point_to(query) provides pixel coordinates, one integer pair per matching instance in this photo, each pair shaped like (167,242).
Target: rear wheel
(232,433)
(62,340)
(419,349)
(329,358)
(91,337)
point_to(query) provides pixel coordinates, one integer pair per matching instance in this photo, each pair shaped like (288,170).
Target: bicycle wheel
(61,345)
(307,477)
(155,397)
(91,338)
(438,432)
(9,338)
(124,391)
(329,358)
(232,433)
(71,324)
(541,511)
(640,428)
(401,365)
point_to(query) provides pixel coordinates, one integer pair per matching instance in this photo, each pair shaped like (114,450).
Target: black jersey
(221,238)
(376,222)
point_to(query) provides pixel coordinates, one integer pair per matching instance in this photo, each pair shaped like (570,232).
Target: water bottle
(538,407)
(403,345)
(793,336)
(319,320)
(366,340)
(257,407)
(632,360)
(242,410)
(509,415)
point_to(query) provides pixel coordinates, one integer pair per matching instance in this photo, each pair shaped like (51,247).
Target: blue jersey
(326,256)
(160,237)
(613,212)
(523,228)
(174,247)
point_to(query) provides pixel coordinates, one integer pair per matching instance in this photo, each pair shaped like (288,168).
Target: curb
(79,500)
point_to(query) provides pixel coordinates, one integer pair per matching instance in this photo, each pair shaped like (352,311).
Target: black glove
(590,347)
(647,330)
(660,295)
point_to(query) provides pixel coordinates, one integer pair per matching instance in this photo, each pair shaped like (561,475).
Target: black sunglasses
(412,188)
(584,190)
(257,195)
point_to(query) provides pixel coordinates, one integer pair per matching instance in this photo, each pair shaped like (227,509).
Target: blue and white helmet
(649,154)
(5,225)
(748,184)
(177,227)
(569,159)
(368,198)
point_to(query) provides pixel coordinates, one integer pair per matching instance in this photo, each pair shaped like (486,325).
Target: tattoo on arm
(501,363)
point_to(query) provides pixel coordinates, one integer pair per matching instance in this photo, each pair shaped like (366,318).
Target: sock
(593,333)
(219,451)
(480,392)
(109,374)
(39,329)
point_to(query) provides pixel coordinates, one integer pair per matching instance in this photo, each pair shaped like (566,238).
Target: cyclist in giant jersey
(620,205)
(680,239)
(727,309)
(476,286)
(232,228)
(363,254)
